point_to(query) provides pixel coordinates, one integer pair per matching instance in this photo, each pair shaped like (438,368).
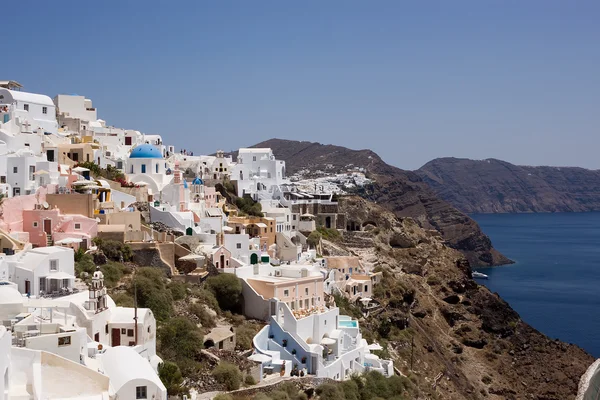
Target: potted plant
(303,360)
(294,352)
(284,343)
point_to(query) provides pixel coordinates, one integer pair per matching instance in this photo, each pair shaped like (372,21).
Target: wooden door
(27,287)
(116,337)
(48,226)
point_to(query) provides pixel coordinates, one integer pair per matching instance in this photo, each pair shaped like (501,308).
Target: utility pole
(135,317)
(412,348)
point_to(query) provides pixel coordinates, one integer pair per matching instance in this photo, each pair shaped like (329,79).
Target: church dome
(197,181)
(145,151)
(10,295)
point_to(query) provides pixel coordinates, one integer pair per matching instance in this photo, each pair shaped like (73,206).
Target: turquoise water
(555,283)
(348,324)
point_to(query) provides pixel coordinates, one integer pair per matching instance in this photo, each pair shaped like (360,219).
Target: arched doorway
(189,231)
(328,222)
(254,258)
(222,260)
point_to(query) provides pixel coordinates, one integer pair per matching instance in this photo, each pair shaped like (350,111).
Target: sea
(555,282)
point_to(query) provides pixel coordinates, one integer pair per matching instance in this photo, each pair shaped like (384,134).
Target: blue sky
(515,80)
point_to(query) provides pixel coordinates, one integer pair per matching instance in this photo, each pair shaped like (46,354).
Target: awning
(191,257)
(260,225)
(80,183)
(375,347)
(41,172)
(327,341)
(228,229)
(103,183)
(69,240)
(262,358)
(307,215)
(59,275)
(141,183)
(80,169)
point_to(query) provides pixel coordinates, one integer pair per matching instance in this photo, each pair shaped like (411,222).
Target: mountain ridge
(497,186)
(402,192)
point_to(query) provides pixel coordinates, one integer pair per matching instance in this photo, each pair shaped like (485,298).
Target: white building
(256,172)
(75,112)
(131,377)
(147,164)
(43,270)
(22,112)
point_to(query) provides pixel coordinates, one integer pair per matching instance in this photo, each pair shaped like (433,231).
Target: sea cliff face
(494,186)
(436,318)
(402,192)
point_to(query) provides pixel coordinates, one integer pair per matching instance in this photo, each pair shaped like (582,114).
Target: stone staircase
(358,239)
(49,241)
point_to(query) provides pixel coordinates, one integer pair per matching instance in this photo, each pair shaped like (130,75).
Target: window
(26,107)
(306,291)
(143,168)
(31,172)
(148,329)
(238,245)
(141,392)
(64,341)
(15,170)
(130,332)
(286,293)
(53,265)
(3,179)
(132,169)
(254,158)
(105,330)
(366,288)
(43,284)
(157,168)
(35,224)
(123,331)
(44,110)
(77,226)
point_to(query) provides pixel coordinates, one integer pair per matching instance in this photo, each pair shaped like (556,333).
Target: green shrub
(85,264)
(313,239)
(178,290)
(329,233)
(249,380)
(114,250)
(171,377)
(206,297)
(279,395)
(150,285)
(244,335)
(330,391)
(377,385)
(199,310)
(350,389)
(248,206)
(179,339)
(227,288)
(223,396)
(123,299)
(228,374)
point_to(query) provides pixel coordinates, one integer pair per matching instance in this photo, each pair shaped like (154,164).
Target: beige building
(221,337)
(305,293)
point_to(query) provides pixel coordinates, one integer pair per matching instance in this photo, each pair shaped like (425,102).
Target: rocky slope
(494,186)
(468,342)
(402,192)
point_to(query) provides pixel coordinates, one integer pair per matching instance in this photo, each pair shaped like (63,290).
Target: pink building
(48,226)
(211,197)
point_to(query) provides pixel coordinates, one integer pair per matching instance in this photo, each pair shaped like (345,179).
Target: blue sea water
(555,283)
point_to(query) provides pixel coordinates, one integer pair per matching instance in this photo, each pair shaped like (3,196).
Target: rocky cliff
(494,186)
(402,192)
(462,341)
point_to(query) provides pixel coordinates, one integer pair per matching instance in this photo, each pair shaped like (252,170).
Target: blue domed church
(146,164)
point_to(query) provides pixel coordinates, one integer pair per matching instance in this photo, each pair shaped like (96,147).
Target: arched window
(157,168)
(132,168)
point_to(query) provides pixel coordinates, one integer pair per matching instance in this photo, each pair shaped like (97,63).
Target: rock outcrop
(402,192)
(457,333)
(494,186)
